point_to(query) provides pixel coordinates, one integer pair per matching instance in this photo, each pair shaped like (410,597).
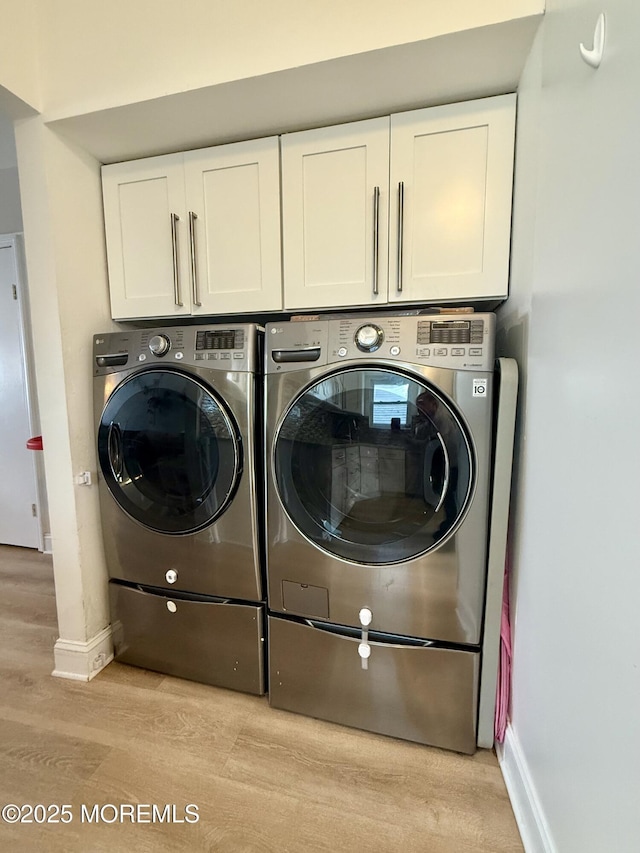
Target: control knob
(369,337)
(159,344)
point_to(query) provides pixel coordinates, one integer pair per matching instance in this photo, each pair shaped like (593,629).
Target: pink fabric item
(503,694)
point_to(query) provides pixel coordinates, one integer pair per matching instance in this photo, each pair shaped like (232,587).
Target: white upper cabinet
(233,195)
(334,206)
(439,228)
(195,233)
(409,208)
(450,201)
(144,211)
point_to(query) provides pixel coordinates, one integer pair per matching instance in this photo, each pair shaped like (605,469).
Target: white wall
(147,49)
(10,210)
(64,238)
(574,742)
(8,157)
(19,49)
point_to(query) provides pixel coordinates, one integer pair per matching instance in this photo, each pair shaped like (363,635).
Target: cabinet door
(450,206)
(335,215)
(233,200)
(146,235)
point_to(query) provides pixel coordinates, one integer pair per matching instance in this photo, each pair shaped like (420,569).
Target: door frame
(15,242)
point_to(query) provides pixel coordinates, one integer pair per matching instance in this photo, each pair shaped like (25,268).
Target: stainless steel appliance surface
(378,443)
(176,414)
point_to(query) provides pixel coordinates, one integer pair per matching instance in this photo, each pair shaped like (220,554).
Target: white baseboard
(83,661)
(524,800)
(48,544)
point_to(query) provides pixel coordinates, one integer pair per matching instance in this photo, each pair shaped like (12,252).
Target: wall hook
(593,56)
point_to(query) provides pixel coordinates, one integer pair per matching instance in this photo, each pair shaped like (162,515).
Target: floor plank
(263,780)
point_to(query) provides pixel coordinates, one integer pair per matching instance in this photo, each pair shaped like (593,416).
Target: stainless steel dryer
(378,441)
(175,413)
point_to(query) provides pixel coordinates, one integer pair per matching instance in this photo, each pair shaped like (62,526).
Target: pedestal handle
(364,649)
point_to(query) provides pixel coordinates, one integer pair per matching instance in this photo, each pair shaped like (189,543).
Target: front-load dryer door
(169,451)
(373,466)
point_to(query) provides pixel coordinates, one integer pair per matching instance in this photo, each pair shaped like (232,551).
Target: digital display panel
(450,332)
(216,339)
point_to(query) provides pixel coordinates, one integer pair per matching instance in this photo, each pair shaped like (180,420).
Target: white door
(147,238)
(450,205)
(18,500)
(335,215)
(233,202)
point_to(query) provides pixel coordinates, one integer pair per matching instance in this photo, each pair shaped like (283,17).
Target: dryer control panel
(450,341)
(229,347)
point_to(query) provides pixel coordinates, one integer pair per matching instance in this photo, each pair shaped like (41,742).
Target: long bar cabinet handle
(177,298)
(400,234)
(194,261)
(376,237)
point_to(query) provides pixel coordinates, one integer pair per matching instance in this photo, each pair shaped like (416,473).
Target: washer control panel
(211,347)
(452,341)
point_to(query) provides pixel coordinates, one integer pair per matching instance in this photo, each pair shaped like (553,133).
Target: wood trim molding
(527,809)
(83,661)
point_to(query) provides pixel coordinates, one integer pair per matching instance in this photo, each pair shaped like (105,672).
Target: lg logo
(479,387)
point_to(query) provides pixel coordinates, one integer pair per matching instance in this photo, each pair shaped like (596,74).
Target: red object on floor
(35,443)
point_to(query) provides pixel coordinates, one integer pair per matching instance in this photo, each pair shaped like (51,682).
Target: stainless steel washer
(378,441)
(175,413)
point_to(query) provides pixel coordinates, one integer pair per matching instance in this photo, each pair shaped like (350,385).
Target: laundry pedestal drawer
(189,636)
(409,689)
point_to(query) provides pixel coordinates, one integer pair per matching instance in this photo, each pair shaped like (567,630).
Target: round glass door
(169,451)
(373,465)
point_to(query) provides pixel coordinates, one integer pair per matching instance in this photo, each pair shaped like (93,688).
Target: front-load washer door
(373,465)
(169,451)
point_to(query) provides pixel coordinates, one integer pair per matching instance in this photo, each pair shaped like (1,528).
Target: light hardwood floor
(263,780)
